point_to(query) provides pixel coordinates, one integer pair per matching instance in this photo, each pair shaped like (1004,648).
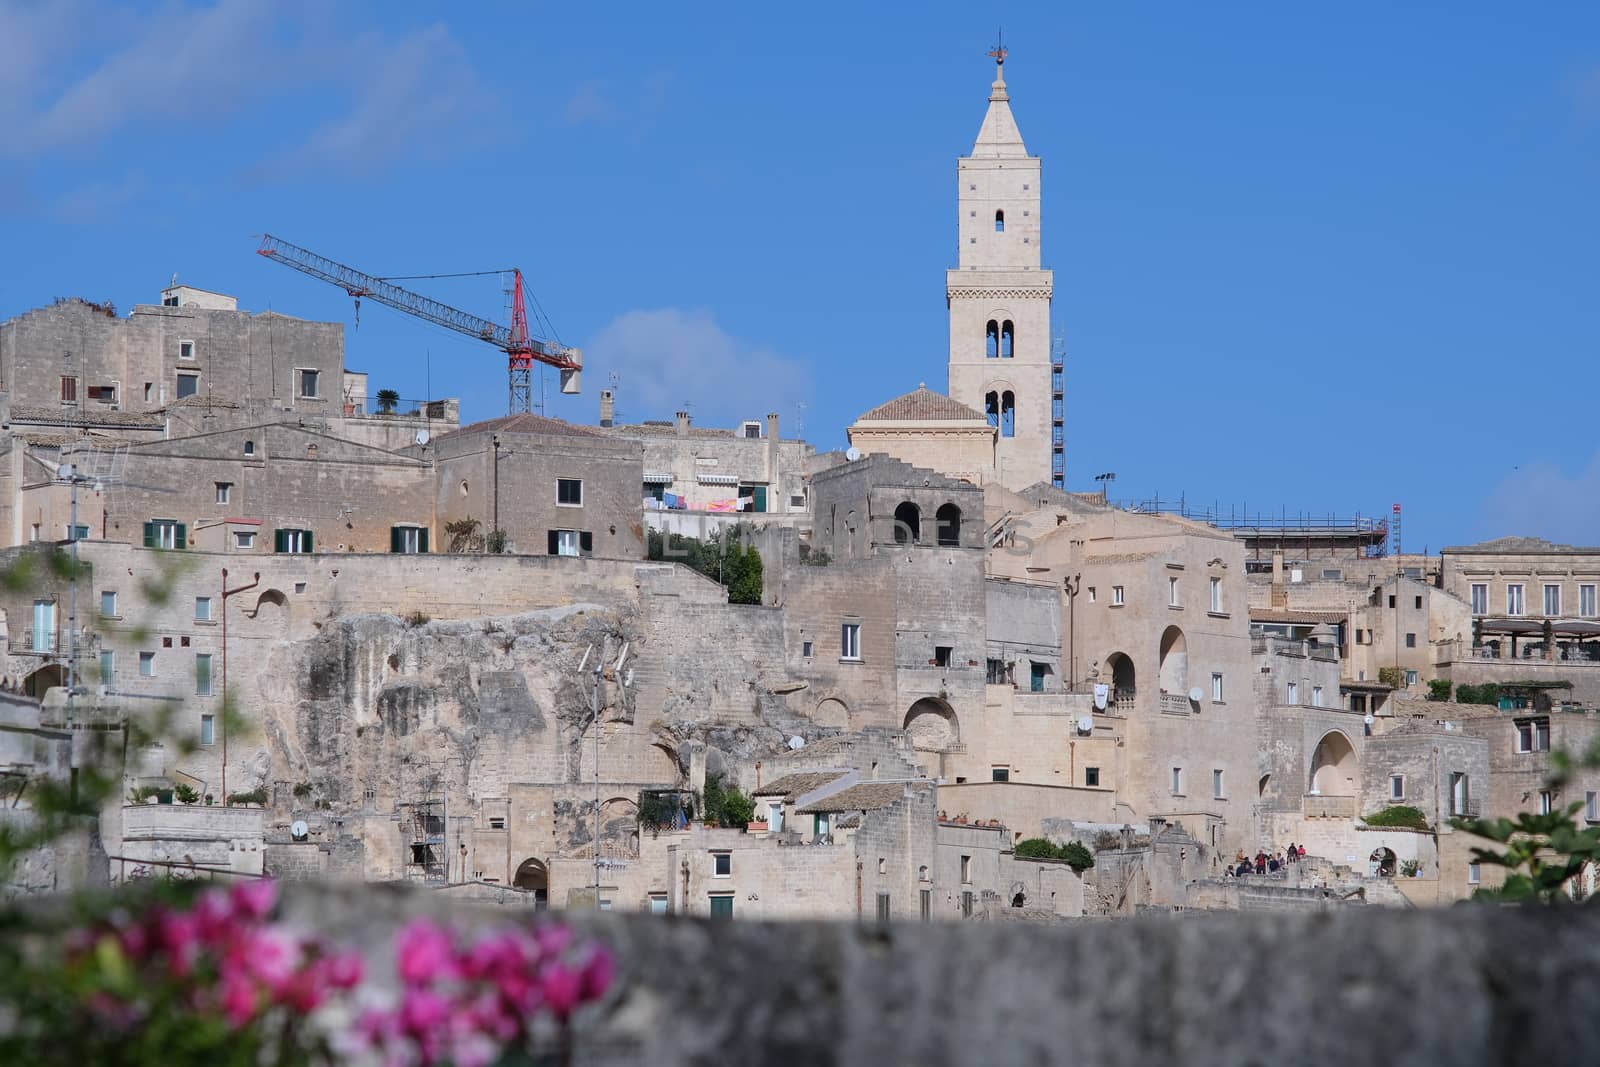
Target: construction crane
(522,350)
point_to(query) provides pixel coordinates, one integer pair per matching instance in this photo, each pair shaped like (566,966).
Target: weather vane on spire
(998,52)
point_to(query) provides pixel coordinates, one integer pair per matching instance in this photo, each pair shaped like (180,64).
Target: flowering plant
(212,978)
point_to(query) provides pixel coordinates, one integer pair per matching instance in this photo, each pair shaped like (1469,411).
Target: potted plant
(388,400)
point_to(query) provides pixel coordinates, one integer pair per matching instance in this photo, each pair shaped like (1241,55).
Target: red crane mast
(522,349)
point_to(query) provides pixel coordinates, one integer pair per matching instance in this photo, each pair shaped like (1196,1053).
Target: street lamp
(1071,586)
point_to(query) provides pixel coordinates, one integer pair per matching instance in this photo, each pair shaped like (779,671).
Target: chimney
(683,423)
(1279,596)
(772,426)
(608,413)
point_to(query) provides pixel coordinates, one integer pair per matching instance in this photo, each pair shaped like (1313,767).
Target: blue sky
(1311,260)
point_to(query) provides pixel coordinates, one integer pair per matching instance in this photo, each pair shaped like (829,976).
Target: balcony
(52,642)
(1318,806)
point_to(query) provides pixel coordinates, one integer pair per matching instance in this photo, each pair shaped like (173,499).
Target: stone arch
(947,526)
(269,598)
(1008,339)
(999,222)
(1384,862)
(1261,786)
(1008,414)
(991,339)
(907,524)
(1123,678)
(50,676)
(991,407)
(933,725)
(1334,768)
(1174,661)
(534,877)
(831,711)
(619,827)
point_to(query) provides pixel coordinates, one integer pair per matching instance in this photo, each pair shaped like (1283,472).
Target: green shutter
(422,540)
(307,542)
(280,541)
(181,539)
(149,535)
(761,498)
(394,539)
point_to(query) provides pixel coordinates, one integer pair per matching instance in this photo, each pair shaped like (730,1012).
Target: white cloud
(597,103)
(1541,501)
(668,357)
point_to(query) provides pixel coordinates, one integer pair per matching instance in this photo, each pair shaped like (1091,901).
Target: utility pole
(594,707)
(226,593)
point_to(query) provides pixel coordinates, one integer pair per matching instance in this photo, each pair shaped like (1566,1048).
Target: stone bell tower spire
(999,295)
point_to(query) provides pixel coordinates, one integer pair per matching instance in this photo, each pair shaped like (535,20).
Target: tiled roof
(793,785)
(864,796)
(826,746)
(526,423)
(923,405)
(1285,615)
(1518,546)
(91,415)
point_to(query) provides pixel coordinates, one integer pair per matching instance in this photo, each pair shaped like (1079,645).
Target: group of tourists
(1266,862)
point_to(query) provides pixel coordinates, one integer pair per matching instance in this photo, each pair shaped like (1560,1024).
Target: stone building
(927,429)
(1001,363)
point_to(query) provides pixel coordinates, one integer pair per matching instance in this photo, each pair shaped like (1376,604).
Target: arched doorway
(948,520)
(48,677)
(1382,863)
(1174,661)
(1122,676)
(831,711)
(907,524)
(619,828)
(932,725)
(1333,766)
(534,877)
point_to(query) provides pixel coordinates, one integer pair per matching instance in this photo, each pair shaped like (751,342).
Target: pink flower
(552,938)
(423,952)
(253,898)
(269,956)
(423,1011)
(343,970)
(598,973)
(213,915)
(238,999)
(560,986)
(179,935)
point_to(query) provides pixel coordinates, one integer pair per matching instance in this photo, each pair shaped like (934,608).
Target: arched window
(1008,414)
(249,448)
(991,340)
(1008,339)
(999,222)
(948,526)
(907,524)
(991,407)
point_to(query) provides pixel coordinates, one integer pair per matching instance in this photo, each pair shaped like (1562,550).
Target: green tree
(388,400)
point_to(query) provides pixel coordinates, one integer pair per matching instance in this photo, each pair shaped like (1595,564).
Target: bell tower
(999,299)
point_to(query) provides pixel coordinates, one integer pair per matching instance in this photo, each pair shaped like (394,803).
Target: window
(1091,777)
(208,729)
(188,385)
(966,870)
(1008,339)
(999,222)
(1418,604)
(202,674)
(722,864)
(1552,599)
(941,655)
(244,539)
(1514,605)
(1411,679)
(1117,599)
(497,822)
(1533,735)
(108,666)
(1008,414)
(996,671)
(883,907)
(308,384)
(108,603)
(408,540)
(1332,574)
(77,533)
(569,491)
(224,492)
(202,609)
(991,341)
(1292,695)
(570,543)
(1000,774)
(927,905)
(1217,791)
(1591,806)
(69,389)
(1546,801)
(1090,591)
(1172,592)
(1460,795)
(1397,787)
(658,904)
(147,664)
(1411,640)
(36,532)
(775,816)
(1391,600)
(1036,672)
(185,349)
(1316,696)
(249,448)
(966,903)
(819,827)
(850,640)
(164,533)
(1216,594)
(291,541)
(1474,873)
(1216,688)
(1480,598)
(1586,601)
(1177,781)
(805,649)
(722,905)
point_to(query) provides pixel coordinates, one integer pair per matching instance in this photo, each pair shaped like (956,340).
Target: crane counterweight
(521,348)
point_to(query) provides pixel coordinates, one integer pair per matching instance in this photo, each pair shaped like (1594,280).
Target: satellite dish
(797,743)
(422,437)
(298,829)
(1369,720)
(1449,726)
(1086,725)
(1195,695)
(852,453)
